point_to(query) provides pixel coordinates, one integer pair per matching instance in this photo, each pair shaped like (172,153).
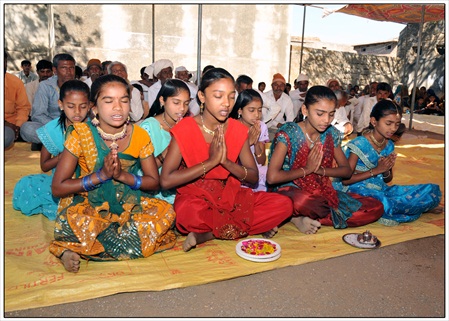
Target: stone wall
(431,72)
(321,65)
(244,39)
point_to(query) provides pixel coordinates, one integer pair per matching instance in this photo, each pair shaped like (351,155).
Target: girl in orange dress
(105,212)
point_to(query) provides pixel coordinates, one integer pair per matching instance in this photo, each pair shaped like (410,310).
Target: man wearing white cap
(163,70)
(182,73)
(298,95)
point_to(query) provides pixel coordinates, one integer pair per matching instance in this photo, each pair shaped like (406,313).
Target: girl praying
(248,110)
(105,212)
(32,193)
(301,163)
(169,107)
(208,159)
(371,158)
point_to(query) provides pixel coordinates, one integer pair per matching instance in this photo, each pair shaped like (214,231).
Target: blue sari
(402,203)
(32,194)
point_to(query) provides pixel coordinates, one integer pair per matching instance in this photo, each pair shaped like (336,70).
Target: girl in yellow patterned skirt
(104,213)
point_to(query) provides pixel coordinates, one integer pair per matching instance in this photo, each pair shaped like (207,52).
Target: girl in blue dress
(169,107)
(371,157)
(32,193)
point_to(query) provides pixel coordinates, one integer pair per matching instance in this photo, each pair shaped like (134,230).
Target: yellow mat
(34,278)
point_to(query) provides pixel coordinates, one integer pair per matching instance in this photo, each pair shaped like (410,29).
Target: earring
(201,108)
(240,115)
(128,120)
(94,120)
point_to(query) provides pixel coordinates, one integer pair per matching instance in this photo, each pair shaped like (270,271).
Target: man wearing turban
(163,70)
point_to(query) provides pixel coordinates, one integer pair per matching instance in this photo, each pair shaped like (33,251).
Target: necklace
(165,121)
(207,130)
(312,142)
(377,143)
(112,137)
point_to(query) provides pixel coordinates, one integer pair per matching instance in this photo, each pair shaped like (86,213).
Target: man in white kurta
(162,70)
(277,96)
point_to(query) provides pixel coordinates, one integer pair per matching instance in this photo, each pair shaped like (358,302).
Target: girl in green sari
(105,212)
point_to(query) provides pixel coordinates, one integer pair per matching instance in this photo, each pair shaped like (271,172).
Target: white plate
(274,254)
(351,239)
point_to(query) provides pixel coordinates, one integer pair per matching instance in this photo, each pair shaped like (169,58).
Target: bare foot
(71,261)
(193,239)
(306,224)
(190,242)
(269,234)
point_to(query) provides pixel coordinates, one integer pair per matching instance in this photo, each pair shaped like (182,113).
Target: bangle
(246,173)
(161,158)
(389,174)
(303,171)
(98,174)
(324,171)
(371,172)
(137,182)
(87,183)
(204,170)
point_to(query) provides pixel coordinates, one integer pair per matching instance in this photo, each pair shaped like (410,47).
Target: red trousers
(316,207)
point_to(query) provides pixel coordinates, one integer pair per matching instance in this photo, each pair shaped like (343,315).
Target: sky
(341,28)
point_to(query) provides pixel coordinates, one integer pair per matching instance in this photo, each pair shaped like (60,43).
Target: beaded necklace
(112,137)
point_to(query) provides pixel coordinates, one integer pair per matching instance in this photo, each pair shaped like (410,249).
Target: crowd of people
(134,164)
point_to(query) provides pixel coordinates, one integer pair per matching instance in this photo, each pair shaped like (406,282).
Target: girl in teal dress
(170,106)
(371,157)
(32,193)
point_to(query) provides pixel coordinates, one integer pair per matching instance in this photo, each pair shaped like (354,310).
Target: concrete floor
(405,280)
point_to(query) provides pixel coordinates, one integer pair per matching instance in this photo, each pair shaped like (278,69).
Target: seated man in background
(44,70)
(16,106)
(45,105)
(341,120)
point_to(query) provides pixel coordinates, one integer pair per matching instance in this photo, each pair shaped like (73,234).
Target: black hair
(98,84)
(243,79)
(243,99)
(207,68)
(62,57)
(78,72)
(71,85)
(25,62)
(139,87)
(384,108)
(383,86)
(170,88)
(104,64)
(211,76)
(142,70)
(318,93)
(44,64)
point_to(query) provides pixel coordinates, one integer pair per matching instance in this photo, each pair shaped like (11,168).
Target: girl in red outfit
(207,161)
(300,165)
